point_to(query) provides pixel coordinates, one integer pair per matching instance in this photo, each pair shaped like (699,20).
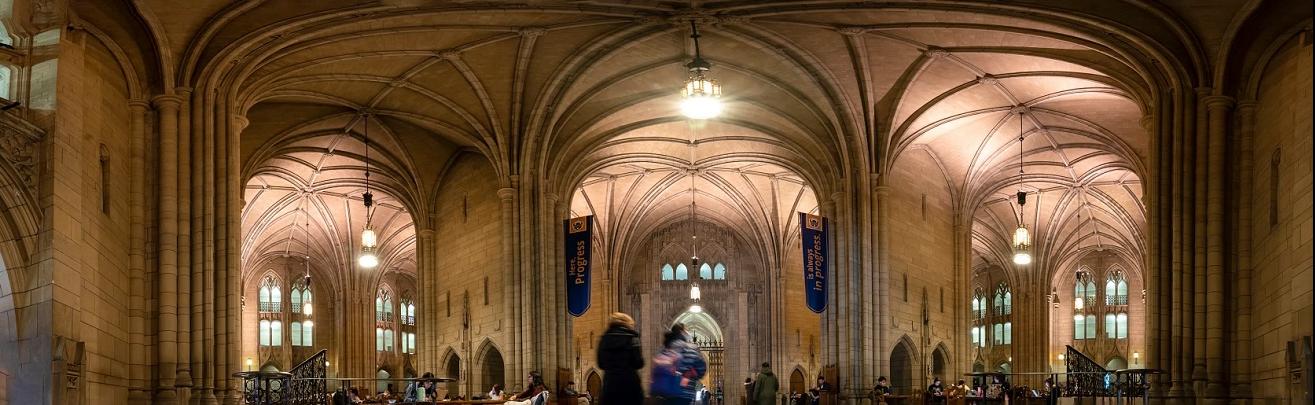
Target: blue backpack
(666,381)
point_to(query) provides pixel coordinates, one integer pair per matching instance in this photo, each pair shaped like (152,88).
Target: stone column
(1196,285)
(212,373)
(1218,109)
(138,370)
(1179,372)
(883,279)
(1241,380)
(183,370)
(512,284)
(426,305)
(166,335)
(230,277)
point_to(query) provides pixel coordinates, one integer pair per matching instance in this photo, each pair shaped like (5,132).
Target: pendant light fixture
(695,296)
(306,305)
(369,240)
(1022,239)
(701,97)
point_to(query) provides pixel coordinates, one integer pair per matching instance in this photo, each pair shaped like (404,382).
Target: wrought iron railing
(1086,378)
(308,385)
(264,387)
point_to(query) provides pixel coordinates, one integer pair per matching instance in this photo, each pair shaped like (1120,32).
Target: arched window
(1079,327)
(1009,333)
(295,333)
(295,298)
(265,332)
(383,306)
(276,333)
(271,296)
(1120,326)
(1003,300)
(6,75)
(705,272)
(682,273)
(719,272)
(383,316)
(1084,291)
(1116,289)
(408,312)
(1091,326)
(307,333)
(668,273)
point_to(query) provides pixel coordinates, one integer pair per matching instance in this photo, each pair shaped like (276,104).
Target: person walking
(765,386)
(677,368)
(620,356)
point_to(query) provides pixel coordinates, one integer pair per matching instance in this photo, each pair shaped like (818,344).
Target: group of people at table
(674,380)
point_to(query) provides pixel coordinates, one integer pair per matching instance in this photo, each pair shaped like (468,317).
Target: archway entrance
(706,333)
(593,383)
(939,359)
(453,370)
(796,381)
(901,368)
(490,368)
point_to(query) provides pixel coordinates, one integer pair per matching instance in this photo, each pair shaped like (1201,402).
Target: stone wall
(1281,241)
(468,236)
(88,258)
(922,269)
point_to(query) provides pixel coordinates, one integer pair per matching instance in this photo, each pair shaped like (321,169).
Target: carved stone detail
(19,143)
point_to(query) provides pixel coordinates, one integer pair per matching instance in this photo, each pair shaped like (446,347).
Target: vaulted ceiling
(585,93)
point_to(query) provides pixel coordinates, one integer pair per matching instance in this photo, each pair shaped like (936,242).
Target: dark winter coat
(620,357)
(764,387)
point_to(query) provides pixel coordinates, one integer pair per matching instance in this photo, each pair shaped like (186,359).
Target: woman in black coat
(620,357)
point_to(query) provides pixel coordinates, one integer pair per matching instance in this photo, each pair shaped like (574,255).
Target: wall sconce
(1060,357)
(249,363)
(1136,358)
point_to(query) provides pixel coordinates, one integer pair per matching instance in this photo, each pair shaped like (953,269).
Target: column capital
(426,233)
(881,190)
(1218,102)
(552,198)
(1247,105)
(1147,122)
(241,121)
(167,101)
(139,104)
(506,193)
(183,91)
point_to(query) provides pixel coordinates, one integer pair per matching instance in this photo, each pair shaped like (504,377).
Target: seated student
(422,390)
(496,392)
(935,392)
(536,393)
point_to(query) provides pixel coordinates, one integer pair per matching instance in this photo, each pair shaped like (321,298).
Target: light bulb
(367,260)
(694,293)
(1021,237)
(700,107)
(1022,258)
(368,238)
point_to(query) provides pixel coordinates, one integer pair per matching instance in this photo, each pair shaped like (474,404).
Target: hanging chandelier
(1022,239)
(306,306)
(369,240)
(695,296)
(701,96)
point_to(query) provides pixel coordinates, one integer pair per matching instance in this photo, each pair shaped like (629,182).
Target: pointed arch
(491,366)
(902,365)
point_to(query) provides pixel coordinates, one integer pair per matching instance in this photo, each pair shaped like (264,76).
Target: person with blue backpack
(677,368)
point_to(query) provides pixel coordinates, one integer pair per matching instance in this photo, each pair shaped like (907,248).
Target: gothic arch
(491,365)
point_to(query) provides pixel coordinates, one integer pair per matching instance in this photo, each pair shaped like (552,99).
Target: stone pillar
(212,373)
(1218,109)
(230,276)
(183,370)
(1241,379)
(512,284)
(166,335)
(1176,366)
(138,370)
(426,305)
(883,279)
(1195,286)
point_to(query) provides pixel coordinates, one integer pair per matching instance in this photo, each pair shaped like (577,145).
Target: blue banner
(812,230)
(579,248)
